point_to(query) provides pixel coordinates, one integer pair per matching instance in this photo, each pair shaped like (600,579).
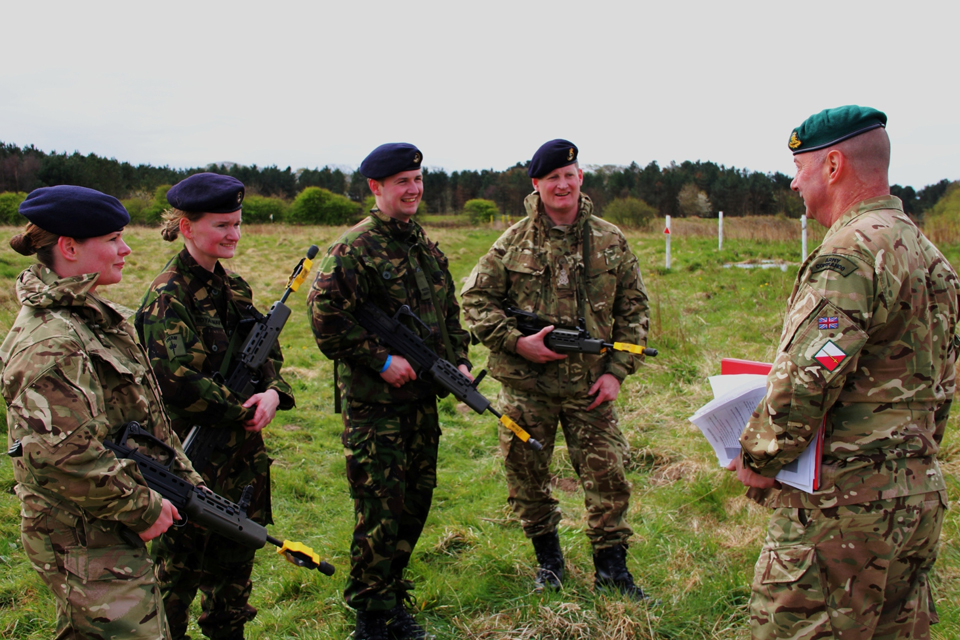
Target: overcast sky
(476,84)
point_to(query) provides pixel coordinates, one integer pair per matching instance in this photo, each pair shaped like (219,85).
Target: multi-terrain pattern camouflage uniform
(73,375)
(186,322)
(538,267)
(868,349)
(390,435)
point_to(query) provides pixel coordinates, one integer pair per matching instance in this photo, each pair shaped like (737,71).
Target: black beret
(75,212)
(389,159)
(207,193)
(552,155)
(831,126)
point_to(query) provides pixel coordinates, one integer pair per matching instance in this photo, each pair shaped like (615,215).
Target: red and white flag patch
(830,355)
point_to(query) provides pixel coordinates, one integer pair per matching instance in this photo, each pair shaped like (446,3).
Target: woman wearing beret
(193,321)
(73,375)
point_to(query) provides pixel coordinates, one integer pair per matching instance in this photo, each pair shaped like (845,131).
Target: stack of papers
(723,419)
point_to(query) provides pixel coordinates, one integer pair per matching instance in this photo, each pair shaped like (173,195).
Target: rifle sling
(426,293)
(584,256)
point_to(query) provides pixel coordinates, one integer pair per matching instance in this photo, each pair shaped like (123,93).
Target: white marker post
(720,232)
(667,233)
(803,237)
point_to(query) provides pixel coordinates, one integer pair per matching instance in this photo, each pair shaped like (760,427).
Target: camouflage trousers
(596,449)
(189,559)
(851,573)
(104,587)
(391,452)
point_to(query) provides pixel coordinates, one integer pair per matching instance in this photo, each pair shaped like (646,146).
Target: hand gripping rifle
(206,508)
(578,340)
(428,364)
(245,377)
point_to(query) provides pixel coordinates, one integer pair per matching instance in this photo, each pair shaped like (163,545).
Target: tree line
(687,189)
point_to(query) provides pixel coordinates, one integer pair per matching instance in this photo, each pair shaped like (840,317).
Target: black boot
(371,625)
(550,557)
(611,566)
(402,625)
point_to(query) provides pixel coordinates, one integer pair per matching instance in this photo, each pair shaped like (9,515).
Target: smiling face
(560,191)
(103,254)
(399,195)
(212,237)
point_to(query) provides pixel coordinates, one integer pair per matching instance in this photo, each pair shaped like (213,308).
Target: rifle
(204,507)
(577,340)
(445,374)
(245,377)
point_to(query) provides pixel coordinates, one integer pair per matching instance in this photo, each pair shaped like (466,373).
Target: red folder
(733,366)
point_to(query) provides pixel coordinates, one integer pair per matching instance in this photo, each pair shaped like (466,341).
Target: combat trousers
(853,573)
(391,455)
(104,588)
(191,558)
(596,447)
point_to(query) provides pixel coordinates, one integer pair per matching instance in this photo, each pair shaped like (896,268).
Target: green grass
(696,536)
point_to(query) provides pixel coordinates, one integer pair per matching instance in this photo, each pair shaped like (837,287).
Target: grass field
(696,535)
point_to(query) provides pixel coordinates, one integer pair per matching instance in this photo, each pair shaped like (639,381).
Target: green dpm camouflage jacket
(373,262)
(869,342)
(73,375)
(186,321)
(538,267)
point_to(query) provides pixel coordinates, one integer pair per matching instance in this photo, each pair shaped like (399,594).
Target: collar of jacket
(41,288)
(396,228)
(538,215)
(214,279)
(862,207)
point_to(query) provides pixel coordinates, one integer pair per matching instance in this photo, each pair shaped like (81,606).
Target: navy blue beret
(75,212)
(207,193)
(552,155)
(389,159)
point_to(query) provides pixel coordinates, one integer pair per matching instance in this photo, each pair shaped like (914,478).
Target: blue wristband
(386,365)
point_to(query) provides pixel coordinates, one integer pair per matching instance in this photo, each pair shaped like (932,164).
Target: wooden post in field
(803,237)
(720,232)
(667,233)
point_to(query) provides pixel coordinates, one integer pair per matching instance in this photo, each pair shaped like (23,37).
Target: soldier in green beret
(564,264)
(391,427)
(72,376)
(867,355)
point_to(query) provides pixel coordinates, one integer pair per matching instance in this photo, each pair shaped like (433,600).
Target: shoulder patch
(841,264)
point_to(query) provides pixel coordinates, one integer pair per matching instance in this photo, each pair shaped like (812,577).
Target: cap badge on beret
(417,157)
(794,141)
(571,154)
(239,197)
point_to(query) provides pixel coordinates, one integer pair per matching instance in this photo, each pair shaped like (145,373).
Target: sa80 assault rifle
(205,508)
(565,340)
(428,364)
(245,377)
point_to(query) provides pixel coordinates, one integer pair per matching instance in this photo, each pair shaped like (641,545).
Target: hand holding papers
(722,421)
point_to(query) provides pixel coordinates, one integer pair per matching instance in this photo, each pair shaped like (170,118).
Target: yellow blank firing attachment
(303,556)
(520,432)
(300,273)
(634,348)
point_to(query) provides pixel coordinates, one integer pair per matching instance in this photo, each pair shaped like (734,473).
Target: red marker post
(666,232)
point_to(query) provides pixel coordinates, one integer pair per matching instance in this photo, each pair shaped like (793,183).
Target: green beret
(830,126)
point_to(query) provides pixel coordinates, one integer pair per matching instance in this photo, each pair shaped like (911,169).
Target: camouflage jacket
(538,267)
(869,342)
(373,263)
(186,321)
(73,375)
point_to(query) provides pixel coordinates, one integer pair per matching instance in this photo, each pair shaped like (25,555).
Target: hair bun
(22,244)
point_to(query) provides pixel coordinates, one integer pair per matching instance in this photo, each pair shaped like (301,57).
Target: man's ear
(834,165)
(375,187)
(535,182)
